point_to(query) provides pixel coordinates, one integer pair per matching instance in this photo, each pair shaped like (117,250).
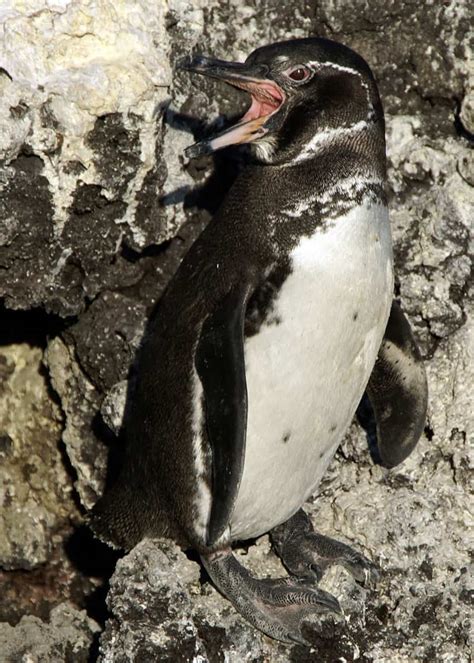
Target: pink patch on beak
(267,98)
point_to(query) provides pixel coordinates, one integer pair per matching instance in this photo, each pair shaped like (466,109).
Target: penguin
(278,320)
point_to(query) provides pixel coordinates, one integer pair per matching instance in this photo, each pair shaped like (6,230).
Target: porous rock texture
(97,207)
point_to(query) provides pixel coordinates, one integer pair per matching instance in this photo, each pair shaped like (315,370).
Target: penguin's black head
(305,93)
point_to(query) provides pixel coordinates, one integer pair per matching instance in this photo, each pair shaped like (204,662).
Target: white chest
(306,374)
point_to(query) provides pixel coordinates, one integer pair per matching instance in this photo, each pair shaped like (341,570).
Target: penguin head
(305,94)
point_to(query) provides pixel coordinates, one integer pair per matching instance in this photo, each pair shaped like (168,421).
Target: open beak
(267,98)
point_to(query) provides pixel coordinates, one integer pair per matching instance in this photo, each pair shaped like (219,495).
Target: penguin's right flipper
(279,607)
(398,391)
(220,364)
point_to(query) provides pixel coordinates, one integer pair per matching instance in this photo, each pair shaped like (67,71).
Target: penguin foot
(307,554)
(279,607)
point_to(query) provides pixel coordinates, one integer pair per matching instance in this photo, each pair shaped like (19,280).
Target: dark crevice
(429,432)
(94,649)
(94,560)
(366,417)
(33,326)
(151,251)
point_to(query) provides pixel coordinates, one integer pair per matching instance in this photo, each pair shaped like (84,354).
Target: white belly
(306,375)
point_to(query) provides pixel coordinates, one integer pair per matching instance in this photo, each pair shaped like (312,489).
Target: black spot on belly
(355,316)
(286,438)
(321,455)
(333,428)
(261,304)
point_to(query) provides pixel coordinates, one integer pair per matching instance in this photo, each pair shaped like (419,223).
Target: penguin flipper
(398,391)
(220,365)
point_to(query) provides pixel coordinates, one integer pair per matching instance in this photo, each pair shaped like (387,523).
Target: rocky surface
(34,485)
(97,207)
(65,636)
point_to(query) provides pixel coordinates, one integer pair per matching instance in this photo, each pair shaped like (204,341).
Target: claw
(364,571)
(316,570)
(331,602)
(298,592)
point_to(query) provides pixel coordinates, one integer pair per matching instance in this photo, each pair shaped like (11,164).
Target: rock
(67,638)
(151,586)
(81,136)
(107,337)
(431,228)
(113,406)
(80,401)
(35,491)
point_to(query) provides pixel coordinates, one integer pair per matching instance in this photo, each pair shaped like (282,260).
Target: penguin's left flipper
(398,391)
(307,554)
(220,364)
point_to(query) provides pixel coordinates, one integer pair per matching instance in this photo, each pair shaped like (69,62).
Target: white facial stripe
(315,65)
(326,137)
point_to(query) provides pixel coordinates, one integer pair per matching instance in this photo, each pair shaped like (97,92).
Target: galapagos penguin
(278,320)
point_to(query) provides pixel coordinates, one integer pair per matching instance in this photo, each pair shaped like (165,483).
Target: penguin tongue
(267,98)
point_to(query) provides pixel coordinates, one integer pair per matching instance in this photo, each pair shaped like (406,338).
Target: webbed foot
(278,607)
(307,554)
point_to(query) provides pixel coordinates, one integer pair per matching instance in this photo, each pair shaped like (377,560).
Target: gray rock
(113,406)
(152,586)
(66,638)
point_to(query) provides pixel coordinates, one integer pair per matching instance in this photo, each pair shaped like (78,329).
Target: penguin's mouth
(267,99)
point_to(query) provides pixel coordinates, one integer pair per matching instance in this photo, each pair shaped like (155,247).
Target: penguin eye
(299,73)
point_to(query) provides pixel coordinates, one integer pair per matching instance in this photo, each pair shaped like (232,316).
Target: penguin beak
(267,99)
